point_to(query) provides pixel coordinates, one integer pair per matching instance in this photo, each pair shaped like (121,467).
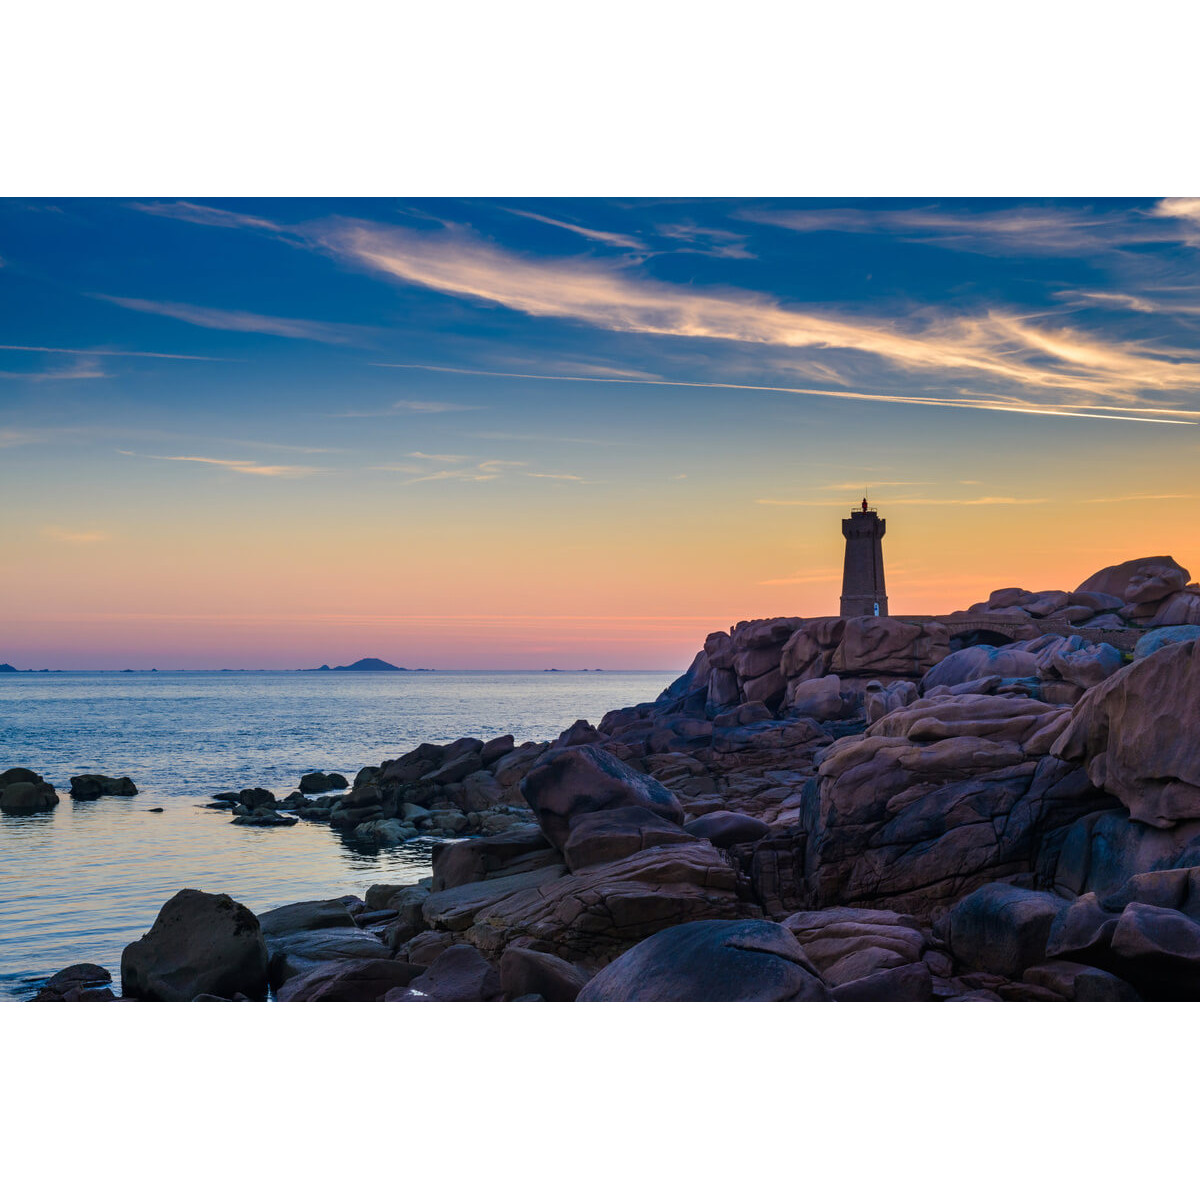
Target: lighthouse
(864,593)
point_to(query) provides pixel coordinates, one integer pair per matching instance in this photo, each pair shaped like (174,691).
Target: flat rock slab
(455,908)
(299,953)
(303,916)
(361,980)
(594,914)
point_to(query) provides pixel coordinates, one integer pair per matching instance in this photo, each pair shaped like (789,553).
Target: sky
(571,433)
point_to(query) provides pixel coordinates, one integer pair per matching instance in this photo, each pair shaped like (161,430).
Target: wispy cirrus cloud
(620,240)
(1025,352)
(113,353)
(56,533)
(245,322)
(488,471)
(699,239)
(1037,229)
(399,408)
(203,214)
(240,466)
(989,403)
(83,368)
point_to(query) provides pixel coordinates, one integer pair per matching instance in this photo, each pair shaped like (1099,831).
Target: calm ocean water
(80,882)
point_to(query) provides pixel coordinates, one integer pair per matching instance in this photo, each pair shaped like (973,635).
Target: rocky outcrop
(592,915)
(937,799)
(711,960)
(569,783)
(199,944)
(25,791)
(1136,734)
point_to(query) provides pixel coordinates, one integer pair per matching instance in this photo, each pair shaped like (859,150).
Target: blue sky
(625,384)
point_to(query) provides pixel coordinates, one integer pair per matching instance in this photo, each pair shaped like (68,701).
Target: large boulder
(1156,639)
(711,960)
(582,779)
(199,944)
(1138,733)
(25,791)
(1003,929)
(1138,580)
(89,787)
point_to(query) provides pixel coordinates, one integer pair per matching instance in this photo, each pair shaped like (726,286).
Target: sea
(80,882)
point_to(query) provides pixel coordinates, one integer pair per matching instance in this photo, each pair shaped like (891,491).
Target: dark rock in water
(227,799)
(198,943)
(614,833)
(257,797)
(711,960)
(319,781)
(264,817)
(352,981)
(727,828)
(90,787)
(154,810)
(524,972)
(24,791)
(459,974)
(581,779)
(1003,929)
(72,982)
(18,775)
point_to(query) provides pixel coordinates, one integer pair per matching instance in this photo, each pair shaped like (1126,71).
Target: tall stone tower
(863,591)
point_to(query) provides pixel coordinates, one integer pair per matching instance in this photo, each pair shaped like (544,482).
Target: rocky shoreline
(835,809)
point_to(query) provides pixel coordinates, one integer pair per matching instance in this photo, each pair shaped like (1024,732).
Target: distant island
(8,667)
(367,664)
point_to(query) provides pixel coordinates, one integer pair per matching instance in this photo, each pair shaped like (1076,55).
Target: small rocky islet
(832,809)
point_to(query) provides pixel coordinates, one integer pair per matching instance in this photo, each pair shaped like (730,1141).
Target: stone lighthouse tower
(863,591)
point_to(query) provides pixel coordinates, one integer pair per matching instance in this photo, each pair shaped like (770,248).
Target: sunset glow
(567,433)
